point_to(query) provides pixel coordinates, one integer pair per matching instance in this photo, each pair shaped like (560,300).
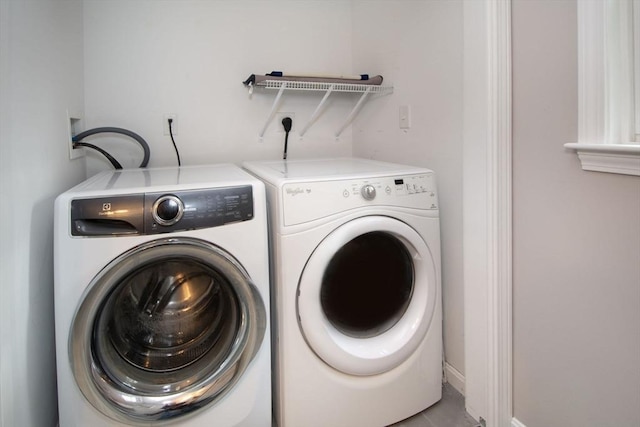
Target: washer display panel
(367,295)
(164,329)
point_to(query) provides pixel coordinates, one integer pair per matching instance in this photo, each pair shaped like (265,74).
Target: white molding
(591,79)
(618,63)
(612,158)
(606,87)
(454,378)
(516,423)
(499,233)
(487,211)
(474,204)
(605,72)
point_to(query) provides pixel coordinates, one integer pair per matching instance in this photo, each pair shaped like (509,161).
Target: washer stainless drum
(356,291)
(162,299)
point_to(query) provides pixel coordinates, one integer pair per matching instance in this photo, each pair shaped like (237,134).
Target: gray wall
(576,245)
(41,77)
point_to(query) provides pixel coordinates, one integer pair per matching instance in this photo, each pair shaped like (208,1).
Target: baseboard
(456,380)
(454,377)
(516,423)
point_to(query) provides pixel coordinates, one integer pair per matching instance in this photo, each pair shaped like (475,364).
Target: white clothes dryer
(162,299)
(356,291)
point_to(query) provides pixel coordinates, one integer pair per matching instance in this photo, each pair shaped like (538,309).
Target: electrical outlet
(174,124)
(278,122)
(74,121)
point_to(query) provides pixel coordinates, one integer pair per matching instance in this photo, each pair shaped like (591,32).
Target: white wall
(576,294)
(144,59)
(126,64)
(41,76)
(417,46)
(576,284)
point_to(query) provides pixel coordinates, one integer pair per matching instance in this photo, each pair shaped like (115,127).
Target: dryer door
(165,329)
(367,295)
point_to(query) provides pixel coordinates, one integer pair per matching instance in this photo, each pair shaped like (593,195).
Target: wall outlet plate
(405,117)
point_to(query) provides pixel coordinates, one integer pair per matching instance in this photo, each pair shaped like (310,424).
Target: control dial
(368,192)
(167,210)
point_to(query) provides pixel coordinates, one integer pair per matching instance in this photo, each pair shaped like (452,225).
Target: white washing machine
(356,291)
(162,299)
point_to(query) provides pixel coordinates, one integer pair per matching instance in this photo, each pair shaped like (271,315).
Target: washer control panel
(162,212)
(306,201)
(190,210)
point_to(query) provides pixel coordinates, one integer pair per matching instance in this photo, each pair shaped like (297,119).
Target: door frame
(487,221)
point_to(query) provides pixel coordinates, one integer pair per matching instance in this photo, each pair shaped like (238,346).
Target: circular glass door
(164,329)
(367,295)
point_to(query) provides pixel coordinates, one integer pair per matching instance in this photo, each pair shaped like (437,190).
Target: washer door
(165,329)
(367,295)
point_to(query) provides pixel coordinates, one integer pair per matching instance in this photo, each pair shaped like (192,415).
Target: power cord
(174,141)
(286,123)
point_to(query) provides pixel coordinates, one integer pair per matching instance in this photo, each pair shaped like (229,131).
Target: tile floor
(448,412)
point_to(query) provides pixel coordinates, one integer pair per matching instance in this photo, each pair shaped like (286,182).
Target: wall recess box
(74,121)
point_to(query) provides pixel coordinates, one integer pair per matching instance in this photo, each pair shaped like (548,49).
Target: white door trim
(487,211)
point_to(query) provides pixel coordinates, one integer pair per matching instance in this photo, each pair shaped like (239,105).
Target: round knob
(368,192)
(167,210)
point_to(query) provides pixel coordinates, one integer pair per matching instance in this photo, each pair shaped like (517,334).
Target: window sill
(612,158)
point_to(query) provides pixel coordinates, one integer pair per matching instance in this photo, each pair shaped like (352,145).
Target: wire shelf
(324,86)
(328,87)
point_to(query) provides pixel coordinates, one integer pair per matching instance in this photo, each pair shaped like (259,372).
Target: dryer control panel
(306,201)
(162,212)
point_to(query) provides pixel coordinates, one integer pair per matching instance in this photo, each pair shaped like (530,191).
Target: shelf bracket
(317,112)
(274,108)
(355,111)
(327,87)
